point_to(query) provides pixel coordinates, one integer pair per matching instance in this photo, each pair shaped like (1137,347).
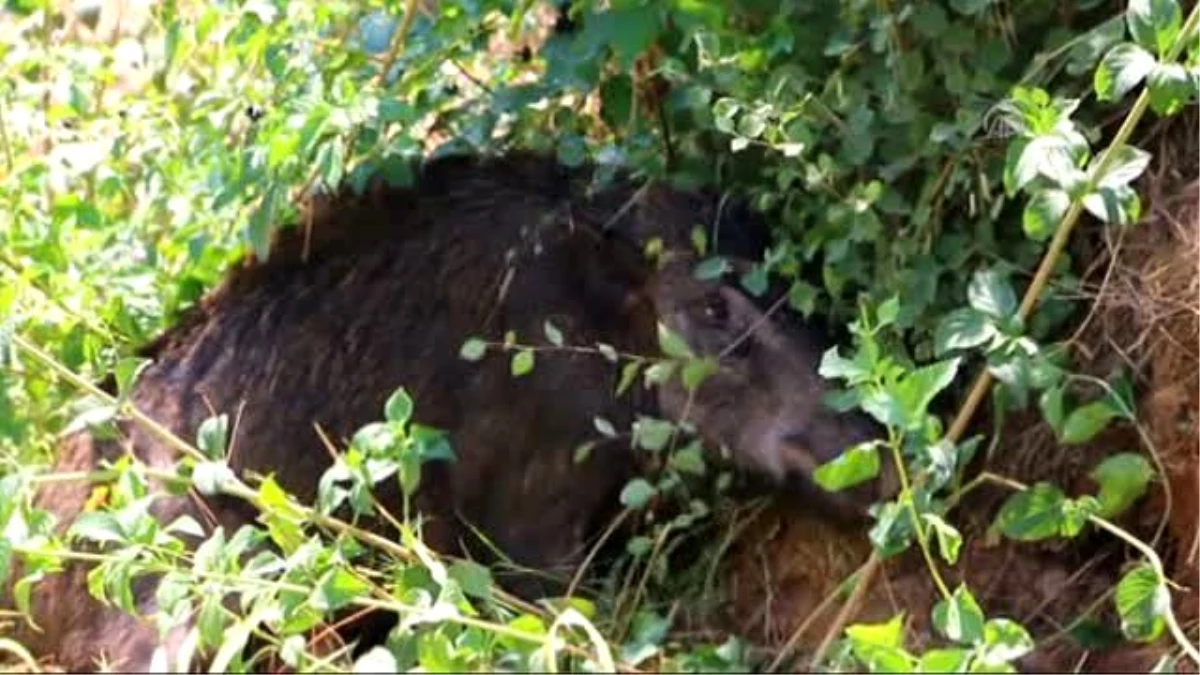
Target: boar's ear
(609,274)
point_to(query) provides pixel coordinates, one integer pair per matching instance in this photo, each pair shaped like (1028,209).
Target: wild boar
(378,291)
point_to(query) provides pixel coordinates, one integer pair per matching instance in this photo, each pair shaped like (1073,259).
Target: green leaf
(1126,164)
(1032,514)
(833,366)
(948,537)
(969,7)
(1075,514)
(755,280)
(637,493)
(696,371)
(1123,479)
(211,436)
(473,349)
(1044,212)
(474,579)
(522,363)
(652,434)
(634,29)
(917,390)
(338,588)
(1116,205)
(399,407)
(711,268)
(376,660)
(660,373)
(881,646)
(629,373)
(1142,603)
(672,345)
(1170,88)
(1121,69)
(553,334)
(689,460)
(963,328)
(888,311)
(210,478)
(959,618)
(97,527)
(1154,23)
(1053,408)
(604,427)
(990,293)
(1056,156)
(1004,641)
(945,661)
(1086,421)
(802,297)
(855,465)
(126,372)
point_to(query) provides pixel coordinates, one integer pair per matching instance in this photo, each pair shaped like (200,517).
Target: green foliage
(913,159)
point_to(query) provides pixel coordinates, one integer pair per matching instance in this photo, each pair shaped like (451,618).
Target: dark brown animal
(382,290)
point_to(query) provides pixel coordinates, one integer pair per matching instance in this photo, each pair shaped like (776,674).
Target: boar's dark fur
(379,291)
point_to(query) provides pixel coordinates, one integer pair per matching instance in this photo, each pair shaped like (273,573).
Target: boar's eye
(715,309)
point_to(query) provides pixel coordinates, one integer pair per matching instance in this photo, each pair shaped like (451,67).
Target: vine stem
(983,382)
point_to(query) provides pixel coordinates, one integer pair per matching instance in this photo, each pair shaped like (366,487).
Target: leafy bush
(919,160)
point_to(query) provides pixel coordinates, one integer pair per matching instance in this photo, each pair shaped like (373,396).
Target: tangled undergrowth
(925,165)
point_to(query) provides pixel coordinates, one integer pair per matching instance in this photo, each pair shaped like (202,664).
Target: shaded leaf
(1123,479)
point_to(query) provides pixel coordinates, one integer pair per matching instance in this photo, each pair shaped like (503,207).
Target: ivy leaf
(629,373)
(1115,205)
(881,646)
(399,407)
(672,345)
(473,349)
(1032,514)
(1154,23)
(1127,163)
(892,532)
(1121,69)
(212,436)
(637,493)
(990,293)
(1075,514)
(553,335)
(1053,408)
(855,465)
(945,661)
(474,579)
(1086,421)
(696,371)
(948,537)
(1004,641)
(652,434)
(376,660)
(888,311)
(522,363)
(1044,212)
(604,427)
(1142,603)
(711,268)
(126,373)
(963,328)
(959,618)
(1123,479)
(1170,88)
(917,390)
(337,589)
